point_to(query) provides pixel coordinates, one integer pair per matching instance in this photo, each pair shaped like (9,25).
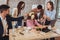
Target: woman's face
(22,6)
(48,6)
(32,17)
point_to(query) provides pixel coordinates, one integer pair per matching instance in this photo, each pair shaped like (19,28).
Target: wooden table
(31,35)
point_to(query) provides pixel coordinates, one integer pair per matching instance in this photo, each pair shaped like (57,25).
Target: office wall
(3,2)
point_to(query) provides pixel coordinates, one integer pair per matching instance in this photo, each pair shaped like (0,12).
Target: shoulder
(54,11)
(46,11)
(14,8)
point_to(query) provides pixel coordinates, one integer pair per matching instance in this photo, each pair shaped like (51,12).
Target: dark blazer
(1,28)
(9,20)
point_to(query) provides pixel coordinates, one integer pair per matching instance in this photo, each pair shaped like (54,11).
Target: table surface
(31,35)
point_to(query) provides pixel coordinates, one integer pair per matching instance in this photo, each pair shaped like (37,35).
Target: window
(3,2)
(58,9)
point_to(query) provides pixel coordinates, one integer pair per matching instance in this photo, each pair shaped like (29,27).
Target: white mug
(19,26)
(49,27)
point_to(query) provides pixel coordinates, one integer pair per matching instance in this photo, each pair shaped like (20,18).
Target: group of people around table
(37,17)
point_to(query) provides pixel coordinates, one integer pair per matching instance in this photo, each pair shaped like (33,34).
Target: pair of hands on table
(42,26)
(53,28)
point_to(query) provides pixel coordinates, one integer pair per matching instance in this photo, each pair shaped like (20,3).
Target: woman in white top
(17,12)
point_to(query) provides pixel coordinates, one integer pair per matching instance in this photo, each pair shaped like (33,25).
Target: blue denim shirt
(50,14)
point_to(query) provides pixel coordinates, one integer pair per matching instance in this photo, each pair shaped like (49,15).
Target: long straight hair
(19,6)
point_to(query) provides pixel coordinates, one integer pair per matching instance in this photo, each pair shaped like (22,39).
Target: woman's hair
(29,17)
(52,5)
(19,6)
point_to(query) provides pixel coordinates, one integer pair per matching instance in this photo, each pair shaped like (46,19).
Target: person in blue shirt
(19,8)
(50,13)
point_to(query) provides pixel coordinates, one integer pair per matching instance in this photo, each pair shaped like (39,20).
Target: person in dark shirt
(4,14)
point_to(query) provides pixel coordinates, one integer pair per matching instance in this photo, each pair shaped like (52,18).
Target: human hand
(3,35)
(53,28)
(48,18)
